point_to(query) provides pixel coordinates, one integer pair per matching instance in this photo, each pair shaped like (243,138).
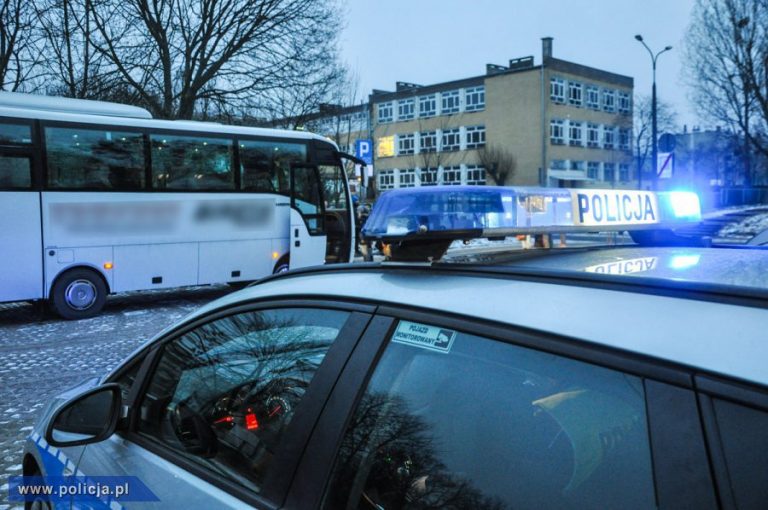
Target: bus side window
(94,159)
(15,134)
(195,163)
(15,168)
(15,172)
(265,166)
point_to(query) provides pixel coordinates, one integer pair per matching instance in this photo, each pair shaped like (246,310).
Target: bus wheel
(78,294)
(282,265)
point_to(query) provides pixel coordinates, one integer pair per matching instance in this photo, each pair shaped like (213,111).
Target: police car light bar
(427,219)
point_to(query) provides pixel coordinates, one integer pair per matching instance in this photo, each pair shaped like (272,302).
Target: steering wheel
(193,431)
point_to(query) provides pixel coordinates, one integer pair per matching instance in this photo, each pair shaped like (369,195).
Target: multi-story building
(553,124)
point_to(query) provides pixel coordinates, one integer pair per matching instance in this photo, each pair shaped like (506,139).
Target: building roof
(565,66)
(589,72)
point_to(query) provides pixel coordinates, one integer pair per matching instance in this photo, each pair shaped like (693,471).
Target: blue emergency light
(422,222)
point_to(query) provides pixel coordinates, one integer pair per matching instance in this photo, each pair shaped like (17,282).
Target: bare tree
(19,58)
(727,56)
(325,91)
(182,56)
(643,116)
(74,68)
(499,163)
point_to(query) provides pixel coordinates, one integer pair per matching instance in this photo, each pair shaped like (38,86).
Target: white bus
(98,198)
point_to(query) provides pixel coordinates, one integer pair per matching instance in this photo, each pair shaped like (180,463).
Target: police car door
(212,418)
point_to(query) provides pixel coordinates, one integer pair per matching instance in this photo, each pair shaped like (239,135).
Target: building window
(385,147)
(386,179)
(451,140)
(386,112)
(475,137)
(408,178)
(475,175)
(625,137)
(406,109)
(474,99)
(558,164)
(624,172)
(428,176)
(428,141)
(593,135)
(609,100)
(593,169)
(609,137)
(625,103)
(609,172)
(574,93)
(450,102)
(428,106)
(593,97)
(406,144)
(578,165)
(557,90)
(452,175)
(575,133)
(557,132)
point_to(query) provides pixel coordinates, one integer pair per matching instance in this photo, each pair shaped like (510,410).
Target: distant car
(601,377)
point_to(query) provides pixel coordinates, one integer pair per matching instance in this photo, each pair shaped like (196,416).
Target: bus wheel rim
(80,294)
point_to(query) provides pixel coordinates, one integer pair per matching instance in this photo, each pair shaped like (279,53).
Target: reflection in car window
(482,424)
(224,393)
(745,444)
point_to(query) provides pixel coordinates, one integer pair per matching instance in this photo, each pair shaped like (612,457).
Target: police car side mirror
(88,418)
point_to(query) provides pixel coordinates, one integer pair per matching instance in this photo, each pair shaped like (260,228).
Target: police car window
(224,393)
(456,420)
(745,444)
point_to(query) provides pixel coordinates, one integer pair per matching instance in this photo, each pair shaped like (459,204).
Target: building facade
(556,124)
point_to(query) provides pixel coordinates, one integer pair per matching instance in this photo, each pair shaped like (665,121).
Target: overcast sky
(430,41)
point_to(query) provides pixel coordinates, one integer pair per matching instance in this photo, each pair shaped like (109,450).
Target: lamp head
(639,37)
(668,48)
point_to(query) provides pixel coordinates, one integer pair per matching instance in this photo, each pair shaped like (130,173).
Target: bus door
(339,217)
(307,236)
(21,265)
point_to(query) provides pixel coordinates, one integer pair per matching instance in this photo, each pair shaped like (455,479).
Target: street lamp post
(654,127)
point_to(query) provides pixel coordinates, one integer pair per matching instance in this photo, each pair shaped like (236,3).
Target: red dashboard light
(251,423)
(226,419)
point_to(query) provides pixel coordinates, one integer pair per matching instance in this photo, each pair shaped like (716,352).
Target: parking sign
(364,150)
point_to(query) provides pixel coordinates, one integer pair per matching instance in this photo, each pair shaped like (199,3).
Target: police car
(628,377)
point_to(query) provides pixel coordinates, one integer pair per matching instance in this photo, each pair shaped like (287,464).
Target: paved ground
(40,355)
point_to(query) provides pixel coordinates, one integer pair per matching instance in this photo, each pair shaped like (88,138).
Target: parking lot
(41,355)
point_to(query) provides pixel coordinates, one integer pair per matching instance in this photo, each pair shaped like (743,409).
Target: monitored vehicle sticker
(424,336)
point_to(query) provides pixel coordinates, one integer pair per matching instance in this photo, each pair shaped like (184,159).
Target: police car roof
(707,332)
(733,270)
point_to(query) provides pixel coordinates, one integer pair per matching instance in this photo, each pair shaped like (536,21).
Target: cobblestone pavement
(42,355)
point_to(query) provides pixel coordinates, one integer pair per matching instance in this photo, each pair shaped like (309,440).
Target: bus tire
(78,294)
(282,265)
